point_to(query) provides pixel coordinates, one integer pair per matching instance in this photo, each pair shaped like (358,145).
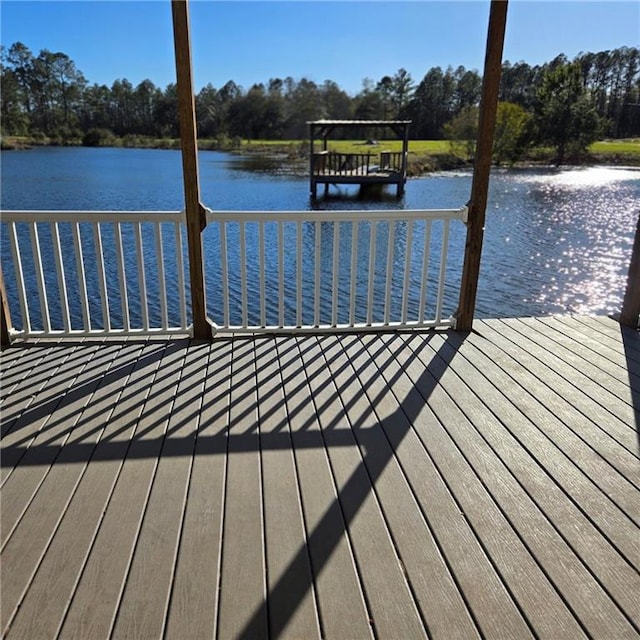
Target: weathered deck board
(543,506)
(243,589)
(193,610)
(342,609)
(391,605)
(37,495)
(450,441)
(94,603)
(72,541)
(400,485)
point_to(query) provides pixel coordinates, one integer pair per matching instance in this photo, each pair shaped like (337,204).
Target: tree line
(563,103)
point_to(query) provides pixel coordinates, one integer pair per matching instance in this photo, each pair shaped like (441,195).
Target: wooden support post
(312,178)
(196,218)
(630,315)
(482,167)
(5,316)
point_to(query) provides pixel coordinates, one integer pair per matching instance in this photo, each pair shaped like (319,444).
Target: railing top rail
(337,216)
(91,216)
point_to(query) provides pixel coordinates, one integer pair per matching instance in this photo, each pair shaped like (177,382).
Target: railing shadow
(367,430)
(336,361)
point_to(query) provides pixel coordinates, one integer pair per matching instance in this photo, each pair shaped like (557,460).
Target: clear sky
(250,42)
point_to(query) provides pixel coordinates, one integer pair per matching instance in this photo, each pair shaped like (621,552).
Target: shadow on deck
(393,485)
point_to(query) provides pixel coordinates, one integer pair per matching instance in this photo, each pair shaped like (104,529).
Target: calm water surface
(556,240)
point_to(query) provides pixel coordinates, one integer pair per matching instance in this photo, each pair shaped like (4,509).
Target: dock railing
(75,274)
(331,163)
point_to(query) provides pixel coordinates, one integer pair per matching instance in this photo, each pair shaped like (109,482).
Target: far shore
(425,156)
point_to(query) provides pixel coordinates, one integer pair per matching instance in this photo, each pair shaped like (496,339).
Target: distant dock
(381,168)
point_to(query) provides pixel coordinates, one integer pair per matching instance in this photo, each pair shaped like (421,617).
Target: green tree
(15,120)
(432,104)
(512,133)
(462,132)
(401,91)
(564,116)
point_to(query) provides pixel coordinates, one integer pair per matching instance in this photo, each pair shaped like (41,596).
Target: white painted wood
(407,271)
(373,228)
(443,269)
(62,285)
(262,268)
(162,286)
(42,292)
(389,274)
(425,269)
(17,263)
(242,218)
(225,273)
(316,277)
(122,279)
(82,280)
(354,263)
(280,274)
(181,284)
(335,283)
(243,274)
(102,278)
(142,280)
(298,275)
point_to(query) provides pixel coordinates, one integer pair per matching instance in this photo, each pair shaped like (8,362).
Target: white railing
(71,273)
(95,273)
(328,270)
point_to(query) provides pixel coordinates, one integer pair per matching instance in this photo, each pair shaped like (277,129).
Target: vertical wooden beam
(196,218)
(482,167)
(405,154)
(5,316)
(630,315)
(312,179)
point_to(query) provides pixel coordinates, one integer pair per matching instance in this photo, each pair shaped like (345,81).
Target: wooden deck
(338,486)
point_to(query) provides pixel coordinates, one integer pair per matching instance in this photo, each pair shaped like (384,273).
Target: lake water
(556,240)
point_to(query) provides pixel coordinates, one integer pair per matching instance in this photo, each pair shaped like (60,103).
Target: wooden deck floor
(389,486)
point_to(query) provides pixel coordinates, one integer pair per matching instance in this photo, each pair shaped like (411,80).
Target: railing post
(630,315)
(482,167)
(5,316)
(196,218)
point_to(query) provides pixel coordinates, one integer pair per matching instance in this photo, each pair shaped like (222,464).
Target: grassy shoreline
(425,156)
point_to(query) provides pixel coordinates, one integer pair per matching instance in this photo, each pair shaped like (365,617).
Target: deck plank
(342,609)
(94,605)
(573,335)
(193,609)
(41,401)
(243,589)
(624,340)
(143,608)
(613,393)
(542,506)
(407,499)
(585,444)
(467,467)
(31,528)
(616,525)
(72,542)
(17,368)
(291,590)
(26,464)
(357,471)
(521,350)
(406,484)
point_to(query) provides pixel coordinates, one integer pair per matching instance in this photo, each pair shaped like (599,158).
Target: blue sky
(251,42)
